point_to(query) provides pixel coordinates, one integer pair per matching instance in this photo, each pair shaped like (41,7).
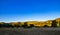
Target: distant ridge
(35,21)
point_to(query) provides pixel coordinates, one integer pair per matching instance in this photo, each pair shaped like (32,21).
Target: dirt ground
(29,31)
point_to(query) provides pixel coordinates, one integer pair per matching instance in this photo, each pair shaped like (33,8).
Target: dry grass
(29,31)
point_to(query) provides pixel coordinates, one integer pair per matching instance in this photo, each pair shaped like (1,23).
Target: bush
(46,26)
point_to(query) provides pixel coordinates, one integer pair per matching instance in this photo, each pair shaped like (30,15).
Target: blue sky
(29,10)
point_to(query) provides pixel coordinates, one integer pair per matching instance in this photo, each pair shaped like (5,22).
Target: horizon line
(28,20)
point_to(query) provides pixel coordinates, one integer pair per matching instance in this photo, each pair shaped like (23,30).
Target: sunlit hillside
(48,23)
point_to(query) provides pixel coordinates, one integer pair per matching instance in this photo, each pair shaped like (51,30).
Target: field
(29,31)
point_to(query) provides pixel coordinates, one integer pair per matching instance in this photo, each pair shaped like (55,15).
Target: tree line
(54,24)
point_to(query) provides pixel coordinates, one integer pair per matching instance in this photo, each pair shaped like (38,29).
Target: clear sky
(29,10)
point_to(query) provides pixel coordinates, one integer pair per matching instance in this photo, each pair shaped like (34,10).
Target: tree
(18,25)
(25,25)
(31,25)
(54,23)
(6,25)
(10,25)
(0,25)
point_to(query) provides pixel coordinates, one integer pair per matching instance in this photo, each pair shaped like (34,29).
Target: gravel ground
(29,31)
